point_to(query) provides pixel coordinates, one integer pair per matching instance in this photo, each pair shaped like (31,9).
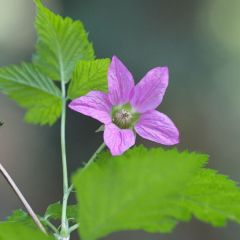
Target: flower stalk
(101,147)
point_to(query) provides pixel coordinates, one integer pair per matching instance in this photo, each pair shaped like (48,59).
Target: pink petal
(95,104)
(149,92)
(120,82)
(118,140)
(157,127)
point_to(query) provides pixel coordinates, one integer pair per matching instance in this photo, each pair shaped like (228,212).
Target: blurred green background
(198,40)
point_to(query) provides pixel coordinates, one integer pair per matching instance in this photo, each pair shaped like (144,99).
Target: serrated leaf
(212,198)
(61,43)
(54,211)
(32,90)
(16,231)
(21,217)
(131,191)
(88,76)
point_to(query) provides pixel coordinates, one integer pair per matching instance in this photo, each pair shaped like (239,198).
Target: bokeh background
(198,40)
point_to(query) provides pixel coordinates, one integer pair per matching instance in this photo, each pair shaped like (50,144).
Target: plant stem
(50,225)
(101,147)
(73,228)
(64,225)
(22,199)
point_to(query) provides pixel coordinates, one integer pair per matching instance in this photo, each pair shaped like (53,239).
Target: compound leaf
(32,90)
(61,43)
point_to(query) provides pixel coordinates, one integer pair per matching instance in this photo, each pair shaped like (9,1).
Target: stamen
(124,117)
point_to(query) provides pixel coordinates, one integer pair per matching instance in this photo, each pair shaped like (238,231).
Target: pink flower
(127,109)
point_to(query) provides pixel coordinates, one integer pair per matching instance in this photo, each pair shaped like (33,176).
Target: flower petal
(120,82)
(148,93)
(118,140)
(157,127)
(95,104)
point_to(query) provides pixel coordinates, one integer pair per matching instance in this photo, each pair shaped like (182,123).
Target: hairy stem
(64,228)
(22,198)
(101,147)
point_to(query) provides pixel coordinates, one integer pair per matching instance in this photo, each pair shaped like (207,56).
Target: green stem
(64,225)
(101,147)
(73,228)
(50,225)
(66,190)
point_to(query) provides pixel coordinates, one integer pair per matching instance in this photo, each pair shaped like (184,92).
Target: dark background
(198,40)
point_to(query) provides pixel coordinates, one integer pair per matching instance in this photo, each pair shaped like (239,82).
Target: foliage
(32,90)
(20,216)
(88,76)
(212,198)
(61,43)
(143,189)
(12,231)
(54,211)
(167,187)
(132,191)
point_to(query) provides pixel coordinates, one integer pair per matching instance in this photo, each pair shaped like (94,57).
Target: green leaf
(167,187)
(212,198)
(21,217)
(16,231)
(89,76)
(132,191)
(54,211)
(32,90)
(61,43)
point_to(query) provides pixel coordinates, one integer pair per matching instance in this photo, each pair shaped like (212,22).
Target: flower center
(124,116)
